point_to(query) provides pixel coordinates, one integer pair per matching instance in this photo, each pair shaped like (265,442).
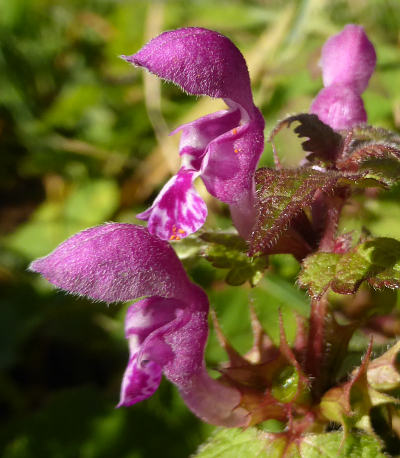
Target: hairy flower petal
(348,58)
(339,106)
(197,134)
(147,324)
(178,210)
(224,147)
(200,61)
(139,382)
(231,159)
(115,262)
(214,402)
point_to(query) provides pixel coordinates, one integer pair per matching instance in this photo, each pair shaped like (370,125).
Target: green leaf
(377,261)
(254,443)
(282,195)
(318,272)
(235,443)
(332,445)
(322,141)
(229,251)
(374,150)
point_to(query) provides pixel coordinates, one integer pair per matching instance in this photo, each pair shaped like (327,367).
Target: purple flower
(222,148)
(167,330)
(348,61)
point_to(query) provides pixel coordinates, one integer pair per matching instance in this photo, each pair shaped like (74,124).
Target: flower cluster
(222,148)
(348,61)
(167,330)
(167,327)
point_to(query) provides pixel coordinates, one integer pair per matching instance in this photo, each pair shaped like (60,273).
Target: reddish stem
(315,347)
(326,211)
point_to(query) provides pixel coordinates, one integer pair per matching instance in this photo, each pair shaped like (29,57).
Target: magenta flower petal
(164,335)
(178,210)
(169,336)
(200,61)
(148,352)
(139,382)
(244,213)
(115,262)
(214,402)
(339,106)
(231,159)
(223,147)
(348,58)
(198,134)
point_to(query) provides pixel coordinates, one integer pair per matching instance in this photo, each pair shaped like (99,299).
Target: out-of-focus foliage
(82,142)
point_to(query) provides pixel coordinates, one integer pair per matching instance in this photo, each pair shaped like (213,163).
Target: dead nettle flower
(222,148)
(167,330)
(348,61)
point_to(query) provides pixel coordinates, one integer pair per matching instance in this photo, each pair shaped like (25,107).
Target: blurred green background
(83,140)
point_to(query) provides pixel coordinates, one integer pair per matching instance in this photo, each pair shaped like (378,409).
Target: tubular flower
(222,148)
(348,61)
(167,330)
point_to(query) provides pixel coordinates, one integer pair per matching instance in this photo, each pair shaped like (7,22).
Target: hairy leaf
(235,443)
(334,445)
(229,251)
(281,196)
(372,150)
(377,261)
(323,142)
(252,443)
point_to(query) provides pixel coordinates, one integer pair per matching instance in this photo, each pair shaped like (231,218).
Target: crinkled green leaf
(374,150)
(253,443)
(322,141)
(318,271)
(229,251)
(236,443)
(377,260)
(332,445)
(282,195)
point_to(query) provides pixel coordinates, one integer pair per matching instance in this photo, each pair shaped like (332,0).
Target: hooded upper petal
(115,262)
(339,106)
(200,61)
(348,58)
(178,210)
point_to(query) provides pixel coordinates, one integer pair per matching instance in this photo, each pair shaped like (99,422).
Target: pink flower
(167,330)
(348,61)
(222,148)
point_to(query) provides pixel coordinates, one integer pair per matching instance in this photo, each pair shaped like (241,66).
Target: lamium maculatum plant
(319,406)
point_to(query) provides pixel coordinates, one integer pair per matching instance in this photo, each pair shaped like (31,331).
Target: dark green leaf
(282,195)
(323,142)
(374,150)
